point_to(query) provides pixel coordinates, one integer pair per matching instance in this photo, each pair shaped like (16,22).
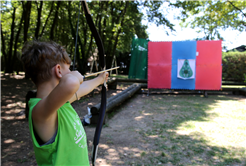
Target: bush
(234,66)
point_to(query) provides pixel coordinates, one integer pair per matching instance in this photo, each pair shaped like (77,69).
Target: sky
(232,38)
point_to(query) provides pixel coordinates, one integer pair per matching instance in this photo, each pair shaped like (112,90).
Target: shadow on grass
(159,143)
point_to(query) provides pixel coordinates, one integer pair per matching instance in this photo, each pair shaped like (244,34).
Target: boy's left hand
(104,77)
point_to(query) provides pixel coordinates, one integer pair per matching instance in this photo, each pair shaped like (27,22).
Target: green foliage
(116,21)
(155,15)
(234,66)
(210,16)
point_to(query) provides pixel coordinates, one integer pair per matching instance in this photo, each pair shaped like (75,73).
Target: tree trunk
(115,20)
(16,44)
(38,18)
(87,53)
(27,10)
(104,20)
(54,21)
(83,61)
(51,10)
(119,31)
(3,50)
(9,67)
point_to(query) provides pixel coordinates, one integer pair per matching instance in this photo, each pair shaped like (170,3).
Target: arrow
(93,74)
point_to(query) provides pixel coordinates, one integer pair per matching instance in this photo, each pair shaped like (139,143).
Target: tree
(11,18)
(211,16)
(116,21)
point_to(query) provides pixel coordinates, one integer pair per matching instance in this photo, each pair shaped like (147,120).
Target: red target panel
(159,65)
(208,65)
(163,56)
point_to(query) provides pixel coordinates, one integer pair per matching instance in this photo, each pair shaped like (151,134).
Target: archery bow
(102,64)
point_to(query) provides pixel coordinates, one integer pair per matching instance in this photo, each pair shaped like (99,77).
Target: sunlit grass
(233,86)
(225,128)
(197,131)
(119,76)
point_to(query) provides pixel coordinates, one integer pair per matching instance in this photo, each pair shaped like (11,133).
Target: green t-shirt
(70,145)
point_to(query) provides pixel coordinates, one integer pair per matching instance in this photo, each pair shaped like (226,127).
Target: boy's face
(65,69)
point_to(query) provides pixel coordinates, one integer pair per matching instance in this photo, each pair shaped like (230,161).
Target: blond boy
(56,130)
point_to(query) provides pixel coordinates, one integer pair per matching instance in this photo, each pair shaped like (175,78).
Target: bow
(102,65)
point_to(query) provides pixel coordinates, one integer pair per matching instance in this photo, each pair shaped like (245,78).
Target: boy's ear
(58,71)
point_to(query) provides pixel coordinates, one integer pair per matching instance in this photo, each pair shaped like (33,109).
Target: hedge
(234,66)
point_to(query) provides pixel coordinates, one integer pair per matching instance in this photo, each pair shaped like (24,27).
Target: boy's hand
(104,77)
(78,75)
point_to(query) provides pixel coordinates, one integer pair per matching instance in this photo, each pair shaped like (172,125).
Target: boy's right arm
(89,85)
(66,88)
(45,112)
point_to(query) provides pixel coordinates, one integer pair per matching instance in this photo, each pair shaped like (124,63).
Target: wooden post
(114,63)
(94,60)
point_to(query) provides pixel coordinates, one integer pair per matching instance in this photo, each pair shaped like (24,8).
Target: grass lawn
(192,130)
(233,86)
(119,76)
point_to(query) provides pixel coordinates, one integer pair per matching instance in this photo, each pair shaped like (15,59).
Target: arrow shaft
(93,74)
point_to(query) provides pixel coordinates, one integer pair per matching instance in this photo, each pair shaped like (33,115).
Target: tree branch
(237,8)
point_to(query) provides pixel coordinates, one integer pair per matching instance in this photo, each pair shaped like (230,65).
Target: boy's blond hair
(40,57)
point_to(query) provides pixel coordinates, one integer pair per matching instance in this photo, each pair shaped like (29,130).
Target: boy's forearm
(88,86)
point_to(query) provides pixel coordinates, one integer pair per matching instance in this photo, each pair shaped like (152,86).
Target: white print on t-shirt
(80,133)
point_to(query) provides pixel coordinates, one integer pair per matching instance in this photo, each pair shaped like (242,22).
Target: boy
(56,130)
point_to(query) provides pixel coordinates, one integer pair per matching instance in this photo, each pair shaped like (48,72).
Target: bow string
(103,93)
